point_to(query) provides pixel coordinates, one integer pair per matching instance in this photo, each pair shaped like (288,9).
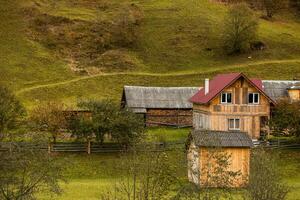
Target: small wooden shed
(201,164)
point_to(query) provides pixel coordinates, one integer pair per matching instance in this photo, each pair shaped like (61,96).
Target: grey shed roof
(277,89)
(139,98)
(209,138)
(294,87)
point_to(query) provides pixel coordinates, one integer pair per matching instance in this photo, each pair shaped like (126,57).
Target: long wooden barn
(161,106)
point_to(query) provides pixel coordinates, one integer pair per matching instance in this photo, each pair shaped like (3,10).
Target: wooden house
(170,106)
(232,102)
(161,106)
(204,145)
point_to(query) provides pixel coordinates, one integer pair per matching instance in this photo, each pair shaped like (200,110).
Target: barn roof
(277,89)
(219,83)
(139,98)
(209,138)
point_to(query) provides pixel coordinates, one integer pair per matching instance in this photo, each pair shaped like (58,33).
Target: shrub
(273,6)
(265,181)
(286,118)
(25,173)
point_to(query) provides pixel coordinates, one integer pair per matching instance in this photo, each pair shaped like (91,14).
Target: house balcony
(243,109)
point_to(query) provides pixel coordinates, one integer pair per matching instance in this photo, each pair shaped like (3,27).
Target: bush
(240,29)
(148,175)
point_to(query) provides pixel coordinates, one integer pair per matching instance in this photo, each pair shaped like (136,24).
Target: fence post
(89,147)
(49,147)
(177,117)
(10,147)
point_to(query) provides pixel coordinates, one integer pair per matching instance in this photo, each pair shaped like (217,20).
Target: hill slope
(179,45)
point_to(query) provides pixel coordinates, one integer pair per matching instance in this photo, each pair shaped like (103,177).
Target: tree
(265,182)
(240,29)
(127,25)
(273,6)
(11,110)
(102,115)
(147,175)
(286,118)
(49,117)
(81,127)
(107,118)
(25,172)
(127,127)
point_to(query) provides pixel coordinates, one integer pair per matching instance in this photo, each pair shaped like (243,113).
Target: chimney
(206,86)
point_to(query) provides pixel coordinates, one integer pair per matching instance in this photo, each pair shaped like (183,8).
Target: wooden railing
(240,108)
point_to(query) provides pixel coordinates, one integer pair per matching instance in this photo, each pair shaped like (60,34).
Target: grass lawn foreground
(89,175)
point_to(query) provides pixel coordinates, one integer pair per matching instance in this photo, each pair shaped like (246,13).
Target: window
(253,98)
(234,124)
(226,98)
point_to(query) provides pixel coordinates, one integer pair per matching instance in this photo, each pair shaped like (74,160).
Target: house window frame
(226,98)
(235,128)
(253,98)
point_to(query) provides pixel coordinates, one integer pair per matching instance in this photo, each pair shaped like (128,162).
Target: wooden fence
(91,147)
(280,144)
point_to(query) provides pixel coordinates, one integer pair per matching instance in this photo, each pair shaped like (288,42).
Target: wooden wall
(240,161)
(169,117)
(294,94)
(201,120)
(218,114)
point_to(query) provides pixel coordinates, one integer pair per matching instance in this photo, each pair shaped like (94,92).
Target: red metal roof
(219,83)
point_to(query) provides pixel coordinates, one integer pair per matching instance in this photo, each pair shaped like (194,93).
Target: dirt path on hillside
(153,74)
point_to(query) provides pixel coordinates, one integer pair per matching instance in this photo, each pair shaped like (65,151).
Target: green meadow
(90,175)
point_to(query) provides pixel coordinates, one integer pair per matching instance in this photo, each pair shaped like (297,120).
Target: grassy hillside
(23,62)
(179,44)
